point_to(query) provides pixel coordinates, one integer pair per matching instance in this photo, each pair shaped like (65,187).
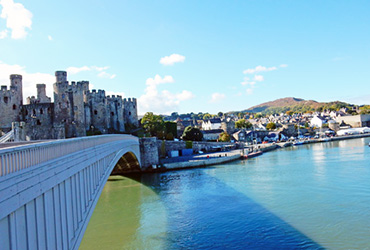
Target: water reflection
(128,215)
(205,213)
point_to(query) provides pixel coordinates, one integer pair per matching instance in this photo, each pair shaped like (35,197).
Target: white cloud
(75,70)
(50,38)
(104,74)
(217,97)
(283,65)
(3,34)
(259,69)
(172,59)
(162,102)
(249,91)
(159,80)
(18,18)
(258,78)
(184,95)
(29,79)
(247,81)
(101,70)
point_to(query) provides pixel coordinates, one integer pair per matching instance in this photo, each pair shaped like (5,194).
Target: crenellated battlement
(100,94)
(114,98)
(130,100)
(11,91)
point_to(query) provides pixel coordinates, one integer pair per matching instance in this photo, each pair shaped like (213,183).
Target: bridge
(48,191)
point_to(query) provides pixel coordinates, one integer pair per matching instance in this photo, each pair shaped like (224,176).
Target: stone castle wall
(75,110)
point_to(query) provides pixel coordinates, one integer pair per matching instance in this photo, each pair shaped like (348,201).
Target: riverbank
(197,161)
(205,160)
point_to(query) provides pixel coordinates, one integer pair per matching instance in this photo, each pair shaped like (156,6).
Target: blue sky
(192,56)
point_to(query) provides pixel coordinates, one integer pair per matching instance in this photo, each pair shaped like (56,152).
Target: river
(314,196)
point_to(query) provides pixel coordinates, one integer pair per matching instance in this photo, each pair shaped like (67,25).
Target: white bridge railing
(8,136)
(16,159)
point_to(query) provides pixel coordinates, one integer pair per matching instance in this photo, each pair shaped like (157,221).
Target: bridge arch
(127,163)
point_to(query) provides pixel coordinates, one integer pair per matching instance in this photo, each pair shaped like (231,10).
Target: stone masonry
(75,110)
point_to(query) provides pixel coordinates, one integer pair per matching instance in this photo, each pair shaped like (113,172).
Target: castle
(76,110)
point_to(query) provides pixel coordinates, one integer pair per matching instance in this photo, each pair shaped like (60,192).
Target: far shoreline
(222,157)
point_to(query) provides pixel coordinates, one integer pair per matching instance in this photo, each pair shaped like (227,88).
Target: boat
(253,154)
(296,143)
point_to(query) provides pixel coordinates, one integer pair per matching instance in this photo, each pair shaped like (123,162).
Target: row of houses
(286,125)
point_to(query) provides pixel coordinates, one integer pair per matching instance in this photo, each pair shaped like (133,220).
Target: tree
(258,115)
(289,112)
(207,116)
(192,134)
(220,114)
(271,126)
(153,124)
(224,137)
(242,123)
(171,128)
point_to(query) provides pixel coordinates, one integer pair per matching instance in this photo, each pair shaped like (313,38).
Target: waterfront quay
(213,158)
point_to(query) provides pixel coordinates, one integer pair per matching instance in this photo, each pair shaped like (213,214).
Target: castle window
(49,110)
(6,99)
(34,112)
(118,104)
(67,104)
(26,112)
(111,113)
(129,113)
(41,111)
(14,106)
(38,122)
(95,112)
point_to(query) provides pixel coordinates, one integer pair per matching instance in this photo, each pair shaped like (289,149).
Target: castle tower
(115,113)
(41,94)
(61,76)
(63,101)
(130,111)
(98,110)
(79,95)
(10,102)
(16,84)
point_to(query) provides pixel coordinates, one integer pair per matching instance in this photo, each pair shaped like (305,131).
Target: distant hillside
(294,104)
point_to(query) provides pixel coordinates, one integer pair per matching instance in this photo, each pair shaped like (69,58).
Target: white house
(211,124)
(317,121)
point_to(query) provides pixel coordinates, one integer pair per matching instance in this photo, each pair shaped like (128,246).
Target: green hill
(296,105)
